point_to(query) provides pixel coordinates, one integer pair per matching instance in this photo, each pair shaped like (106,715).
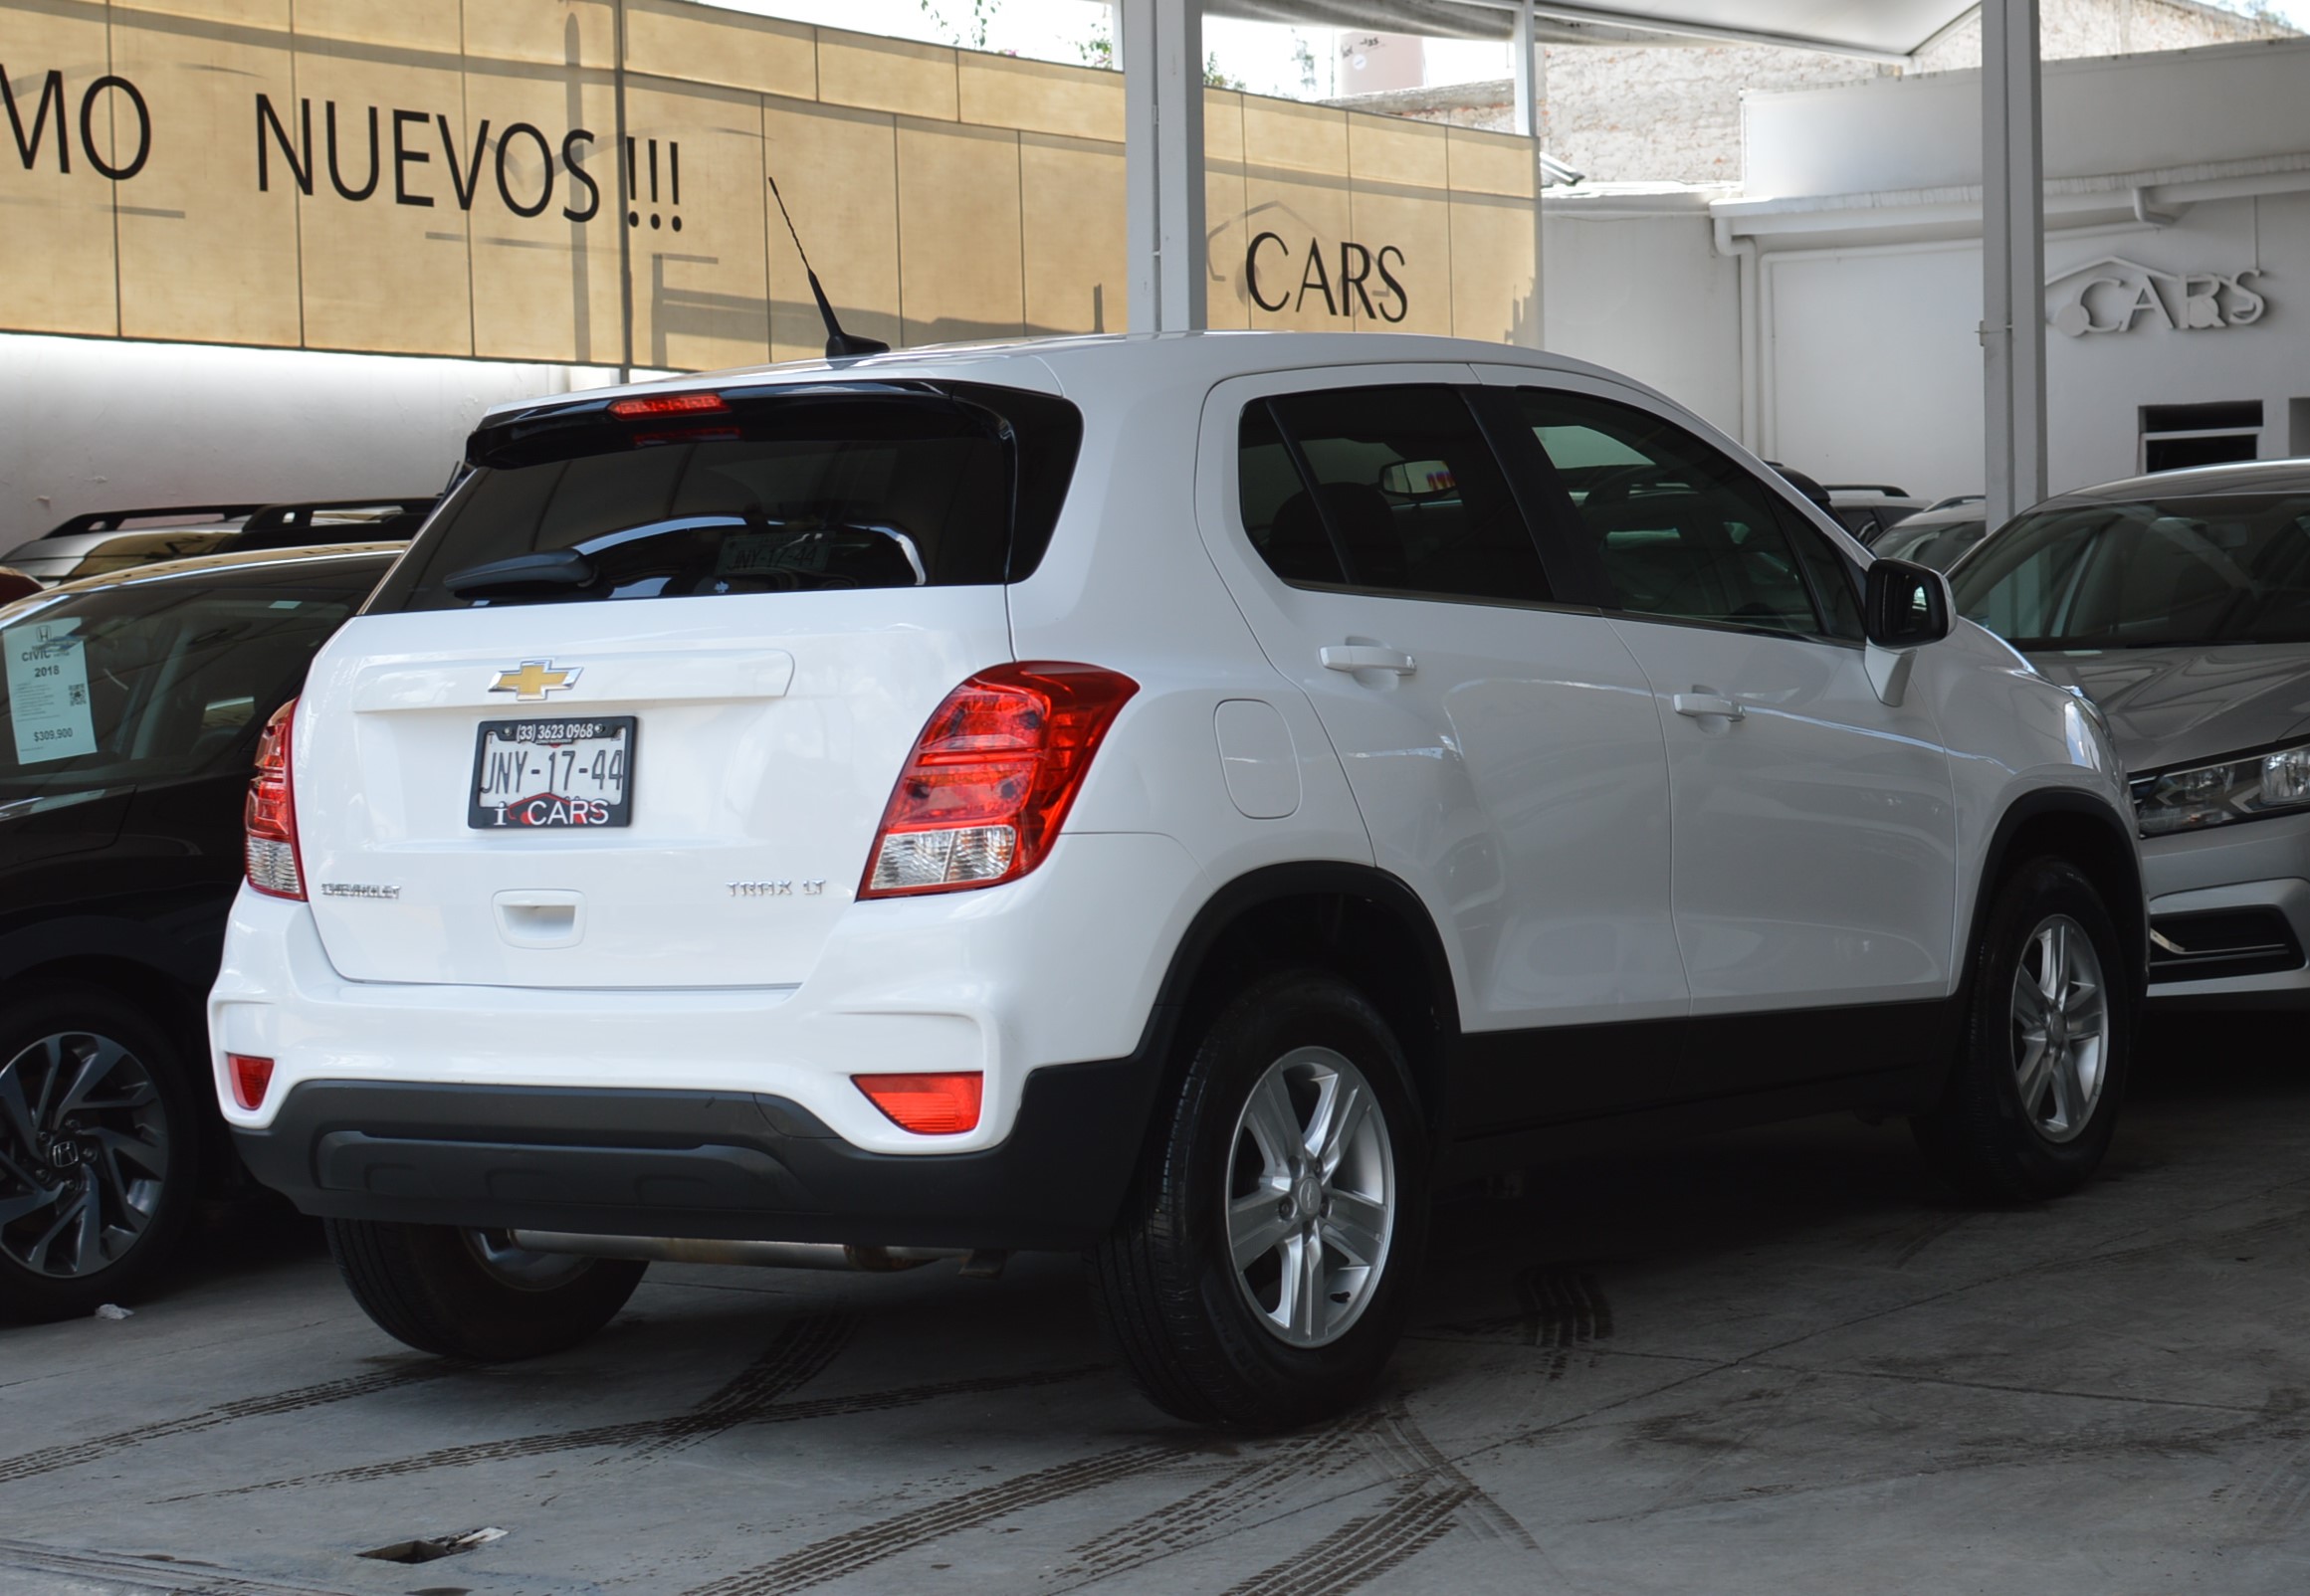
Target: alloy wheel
(84,1154)
(1311,1197)
(2061,1029)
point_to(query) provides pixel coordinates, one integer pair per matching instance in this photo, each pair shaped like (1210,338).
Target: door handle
(1367,657)
(1698,706)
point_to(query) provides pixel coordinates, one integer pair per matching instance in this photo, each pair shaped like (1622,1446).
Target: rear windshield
(867,485)
(158,681)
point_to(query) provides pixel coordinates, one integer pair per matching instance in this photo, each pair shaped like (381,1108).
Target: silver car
(2179,605)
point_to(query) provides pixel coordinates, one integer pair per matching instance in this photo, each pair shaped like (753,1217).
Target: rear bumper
(727,1165)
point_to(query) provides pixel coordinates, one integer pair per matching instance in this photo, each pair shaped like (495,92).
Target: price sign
(48,691)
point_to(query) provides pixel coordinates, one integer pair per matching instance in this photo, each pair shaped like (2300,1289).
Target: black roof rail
(111,520)
(1867,488)
(290,526)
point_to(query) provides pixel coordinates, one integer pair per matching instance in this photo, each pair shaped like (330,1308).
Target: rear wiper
(549,569)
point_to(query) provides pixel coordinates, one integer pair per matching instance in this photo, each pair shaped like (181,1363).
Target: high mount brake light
(270,815)
(669,404)
(991,777)
(943,1105)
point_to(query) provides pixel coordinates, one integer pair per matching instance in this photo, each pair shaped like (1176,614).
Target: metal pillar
(2013,259)
(1163,163)
(1530,89)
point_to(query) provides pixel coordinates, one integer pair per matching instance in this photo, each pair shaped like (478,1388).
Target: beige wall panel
(247,13)
(1302,138)
(1410,240)
(701,285)
(1492,275)
(1071,204)
(1307,217)
(203,254)
(402,24)
(1490,163)
(683,40)
(388,271)
(959,269)
(553,33)
(56,269)
(1074,102)
(896,74)
(1393,149)
(1227,307)
(545,287)
(838,169)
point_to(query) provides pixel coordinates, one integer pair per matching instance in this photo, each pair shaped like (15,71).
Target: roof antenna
(839,345)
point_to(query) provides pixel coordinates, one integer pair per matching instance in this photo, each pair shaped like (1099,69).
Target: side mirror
(1906,605)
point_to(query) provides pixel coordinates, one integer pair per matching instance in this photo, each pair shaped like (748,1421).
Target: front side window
(2178,572)
(168,682)
(1680,529)
(1389,489)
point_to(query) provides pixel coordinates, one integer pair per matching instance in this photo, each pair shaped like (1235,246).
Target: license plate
(544,775)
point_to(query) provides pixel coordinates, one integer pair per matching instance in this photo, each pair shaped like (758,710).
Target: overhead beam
(1676,28)
(2013,260)
(1163,165)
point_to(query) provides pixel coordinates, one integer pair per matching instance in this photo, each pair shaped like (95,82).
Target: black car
(134,707)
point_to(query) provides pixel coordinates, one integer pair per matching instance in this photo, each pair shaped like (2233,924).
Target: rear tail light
(943,1105)
(991,777)
(270,817)
(252,1078)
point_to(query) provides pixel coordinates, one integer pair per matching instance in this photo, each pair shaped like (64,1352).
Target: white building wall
(1647,296)
(90,424)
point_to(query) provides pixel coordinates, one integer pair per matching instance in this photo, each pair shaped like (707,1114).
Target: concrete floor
(1776,1362)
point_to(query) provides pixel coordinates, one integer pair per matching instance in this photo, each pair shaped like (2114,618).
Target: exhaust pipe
(760,1254)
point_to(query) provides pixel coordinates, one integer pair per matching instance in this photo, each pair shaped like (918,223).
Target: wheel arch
(2077,827)
(1357,920)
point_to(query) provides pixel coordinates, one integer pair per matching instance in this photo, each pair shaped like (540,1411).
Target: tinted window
(1937,546)
(1683,532)
(2231,568)
(157,683)
(1384,490)
(875,486)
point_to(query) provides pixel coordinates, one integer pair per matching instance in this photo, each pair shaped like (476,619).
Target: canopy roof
(1876,30)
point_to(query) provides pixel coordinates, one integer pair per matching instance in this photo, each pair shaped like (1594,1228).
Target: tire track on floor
(853,1550)
(71,1454)
(1257,1487)
(641,1431)
(167,1575)
(1417,1514)
(1560,1312)
(792,1361)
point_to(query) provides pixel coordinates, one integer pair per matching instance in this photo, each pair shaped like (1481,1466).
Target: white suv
(1178,798)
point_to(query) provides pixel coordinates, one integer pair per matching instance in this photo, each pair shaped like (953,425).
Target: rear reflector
(669,404)
(270,815)
(991,777)
(928,1105)
(252,1078)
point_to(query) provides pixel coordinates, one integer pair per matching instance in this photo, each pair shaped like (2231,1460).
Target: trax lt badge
(534,678)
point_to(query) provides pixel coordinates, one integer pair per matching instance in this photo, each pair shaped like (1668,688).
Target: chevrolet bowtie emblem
(535,680)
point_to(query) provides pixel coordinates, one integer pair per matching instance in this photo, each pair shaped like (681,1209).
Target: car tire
(472,1295)
(2032,1100)
(1336,1198)
(99,1150)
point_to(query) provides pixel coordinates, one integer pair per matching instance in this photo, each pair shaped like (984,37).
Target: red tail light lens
(669,404)
(928,1105)
(270,815)
(252,1078)
(991,777)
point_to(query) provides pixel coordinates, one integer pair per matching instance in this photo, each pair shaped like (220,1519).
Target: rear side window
(1391,490)
(872,486)
(160,682)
